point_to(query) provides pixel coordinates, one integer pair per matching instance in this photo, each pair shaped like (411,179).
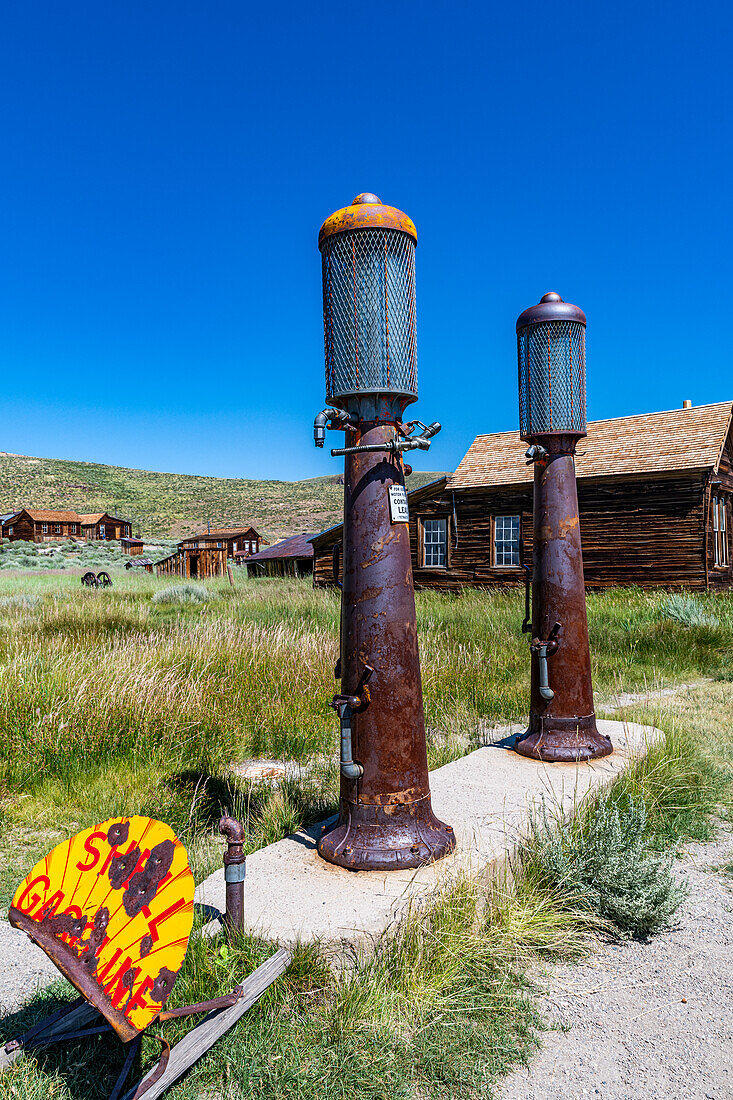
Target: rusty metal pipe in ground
(235,867)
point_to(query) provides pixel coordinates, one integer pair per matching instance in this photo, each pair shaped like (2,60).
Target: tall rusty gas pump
(386,821)
(551,354)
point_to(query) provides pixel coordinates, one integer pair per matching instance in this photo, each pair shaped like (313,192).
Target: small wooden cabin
(291,557)
(102,527)
(654,493)
(235,540)
(140,563)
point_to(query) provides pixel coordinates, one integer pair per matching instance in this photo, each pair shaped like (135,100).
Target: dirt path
(647,1021)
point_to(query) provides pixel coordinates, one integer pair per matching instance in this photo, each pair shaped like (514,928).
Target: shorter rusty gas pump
(386,821)
(551,354)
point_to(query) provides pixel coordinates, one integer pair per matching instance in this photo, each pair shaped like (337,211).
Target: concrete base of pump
(563,740)
(387,838)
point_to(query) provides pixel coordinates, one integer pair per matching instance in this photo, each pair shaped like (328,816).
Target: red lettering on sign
(117,994)
(50,907)
(155,921)
(138,998)
(93,852)
(108,966)
(34,901)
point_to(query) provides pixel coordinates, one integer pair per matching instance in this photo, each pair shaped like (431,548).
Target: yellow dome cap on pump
(366,211)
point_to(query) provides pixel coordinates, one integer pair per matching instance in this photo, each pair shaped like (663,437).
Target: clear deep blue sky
(166,166)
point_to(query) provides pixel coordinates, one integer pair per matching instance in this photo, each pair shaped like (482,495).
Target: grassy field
(123,701)
(166,504)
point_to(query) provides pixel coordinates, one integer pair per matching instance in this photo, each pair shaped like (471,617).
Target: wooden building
(102,527)
(39,525)
(654,491)
(235,540)
(207,554)
(140,563)
(131,546)
(291,557)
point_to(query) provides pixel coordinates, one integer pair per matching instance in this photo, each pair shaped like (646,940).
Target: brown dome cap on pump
(550,308)
(366,212)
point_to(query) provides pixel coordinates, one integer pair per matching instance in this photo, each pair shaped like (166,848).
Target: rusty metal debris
(235,867)
(551,354)
(386,819)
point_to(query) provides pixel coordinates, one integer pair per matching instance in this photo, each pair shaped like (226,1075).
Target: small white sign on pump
(398,510)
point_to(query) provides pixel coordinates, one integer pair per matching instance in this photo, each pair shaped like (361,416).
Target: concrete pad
(292,894)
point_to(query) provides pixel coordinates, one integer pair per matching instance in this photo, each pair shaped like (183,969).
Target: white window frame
(431,547)
(73,529)
(721,558)
(509,546)
(57,528)
(44,528)
(102,530)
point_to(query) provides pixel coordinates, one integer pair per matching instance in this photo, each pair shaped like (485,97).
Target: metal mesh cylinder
(551,355)
(369,313)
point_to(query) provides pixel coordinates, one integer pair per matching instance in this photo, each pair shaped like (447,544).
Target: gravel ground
(647,1021)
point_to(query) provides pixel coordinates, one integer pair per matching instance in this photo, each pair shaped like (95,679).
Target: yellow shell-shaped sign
(113,908)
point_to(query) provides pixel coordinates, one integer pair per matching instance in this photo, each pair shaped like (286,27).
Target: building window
(720,532)
(434,543)
(57,528)
(194,545)
(10,530)
(74,528)
(101,530)
(44,528)
(506,540)
(219,545)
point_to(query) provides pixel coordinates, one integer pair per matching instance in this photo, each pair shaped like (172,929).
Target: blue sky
(166,166)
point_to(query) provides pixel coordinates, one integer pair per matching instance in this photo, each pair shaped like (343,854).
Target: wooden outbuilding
(654,491)
(206,554)
(291,557)
(140,563)
(131,546)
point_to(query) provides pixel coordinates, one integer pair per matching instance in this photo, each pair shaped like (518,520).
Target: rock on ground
(646,1021)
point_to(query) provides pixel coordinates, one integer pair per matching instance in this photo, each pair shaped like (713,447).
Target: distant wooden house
(102,527)
(207,554)
(131,546)
(39,525)
(654,492)
(291,557)
(235,540)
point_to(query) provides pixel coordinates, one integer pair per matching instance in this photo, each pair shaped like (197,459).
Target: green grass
(176,504)
(113,703)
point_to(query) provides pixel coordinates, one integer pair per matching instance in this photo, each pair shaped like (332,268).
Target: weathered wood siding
(194,564)
(635,531)
(23,528)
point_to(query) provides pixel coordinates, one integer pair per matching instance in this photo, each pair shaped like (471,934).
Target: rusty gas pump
(386,821)
(551,354)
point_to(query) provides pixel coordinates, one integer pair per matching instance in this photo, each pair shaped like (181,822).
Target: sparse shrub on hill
(183,593)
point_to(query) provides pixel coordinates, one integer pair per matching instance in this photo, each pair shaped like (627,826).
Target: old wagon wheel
(104,580)
(90,580)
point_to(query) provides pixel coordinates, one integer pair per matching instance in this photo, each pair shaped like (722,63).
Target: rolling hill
(174,505)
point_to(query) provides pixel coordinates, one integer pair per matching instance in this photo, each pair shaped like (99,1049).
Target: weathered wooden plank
(186,1052)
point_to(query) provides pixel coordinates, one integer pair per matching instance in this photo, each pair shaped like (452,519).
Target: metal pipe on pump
(551,354)
(386,821)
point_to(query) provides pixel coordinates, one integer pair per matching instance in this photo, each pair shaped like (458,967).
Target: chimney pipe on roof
(686,404)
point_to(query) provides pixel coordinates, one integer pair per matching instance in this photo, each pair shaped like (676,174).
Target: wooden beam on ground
(217,1023)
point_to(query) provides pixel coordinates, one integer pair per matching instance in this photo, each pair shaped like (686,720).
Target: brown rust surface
(563,728)
(386,819)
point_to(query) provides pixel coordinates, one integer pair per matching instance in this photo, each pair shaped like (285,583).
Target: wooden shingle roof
(661,442)
(43,516)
